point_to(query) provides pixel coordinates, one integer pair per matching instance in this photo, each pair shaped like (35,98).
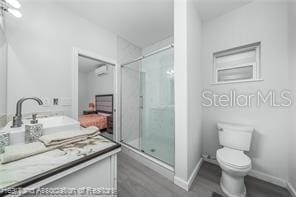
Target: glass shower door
(147,105)
(157,106)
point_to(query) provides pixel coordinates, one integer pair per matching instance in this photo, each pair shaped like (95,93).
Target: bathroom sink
(50,125)
(58,121)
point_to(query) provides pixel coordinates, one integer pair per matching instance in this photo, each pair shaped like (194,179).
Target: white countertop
(15,173)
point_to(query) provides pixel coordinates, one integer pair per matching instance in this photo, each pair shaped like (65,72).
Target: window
(240,64)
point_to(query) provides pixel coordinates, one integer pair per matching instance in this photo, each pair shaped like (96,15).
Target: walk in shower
(147,105)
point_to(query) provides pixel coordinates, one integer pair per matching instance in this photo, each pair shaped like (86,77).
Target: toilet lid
(233,158)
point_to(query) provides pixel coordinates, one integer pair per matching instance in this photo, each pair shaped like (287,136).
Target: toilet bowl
(235,164)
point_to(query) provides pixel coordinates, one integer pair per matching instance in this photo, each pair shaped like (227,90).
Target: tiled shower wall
(159,96)
(130,86)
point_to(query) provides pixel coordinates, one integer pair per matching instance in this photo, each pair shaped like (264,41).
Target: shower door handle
(141,102)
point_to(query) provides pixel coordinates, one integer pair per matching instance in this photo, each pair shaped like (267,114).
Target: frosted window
(236,59)
(239,73)
(237,64)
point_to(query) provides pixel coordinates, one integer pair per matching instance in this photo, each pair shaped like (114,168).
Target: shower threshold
(151,162)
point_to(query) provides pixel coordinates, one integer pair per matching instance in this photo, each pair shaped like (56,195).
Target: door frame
(75,92)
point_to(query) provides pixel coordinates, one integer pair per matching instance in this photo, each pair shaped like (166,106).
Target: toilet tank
(235,136)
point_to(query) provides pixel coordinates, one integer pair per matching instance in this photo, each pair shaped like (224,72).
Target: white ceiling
(143,22)
(209,9)
(87,65)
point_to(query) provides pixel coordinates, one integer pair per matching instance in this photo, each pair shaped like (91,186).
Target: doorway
(94,91)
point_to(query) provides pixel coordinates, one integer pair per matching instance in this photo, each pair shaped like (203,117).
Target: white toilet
(235,165)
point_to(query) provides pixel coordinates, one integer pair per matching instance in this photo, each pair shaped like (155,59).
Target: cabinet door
(101,174)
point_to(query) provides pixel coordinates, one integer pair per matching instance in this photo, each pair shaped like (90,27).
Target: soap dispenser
(4,141)
(34,130)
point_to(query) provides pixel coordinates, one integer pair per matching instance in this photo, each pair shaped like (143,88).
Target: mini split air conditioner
(102,70)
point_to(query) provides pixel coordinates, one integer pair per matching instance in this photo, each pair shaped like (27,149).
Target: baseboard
(291,189)
(181,183)
(187,184)
(212,161)
(268,178)
(194,173)
(260,175)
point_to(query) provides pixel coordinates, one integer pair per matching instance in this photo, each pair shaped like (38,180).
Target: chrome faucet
(17,119)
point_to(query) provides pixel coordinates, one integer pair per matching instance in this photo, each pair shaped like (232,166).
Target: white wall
(187,37)
(292,41)
(3,71)
(100,85)
(181,106)
(91,85)
(40,51)
(194,82)
(83,98)
(158,45)
(259,21)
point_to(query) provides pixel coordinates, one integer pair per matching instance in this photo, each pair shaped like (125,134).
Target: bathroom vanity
(85,168)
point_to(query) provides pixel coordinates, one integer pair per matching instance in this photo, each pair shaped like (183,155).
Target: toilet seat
(233,158)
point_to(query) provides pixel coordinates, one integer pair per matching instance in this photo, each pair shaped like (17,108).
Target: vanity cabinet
(75,171)
(92,176)
(95,176)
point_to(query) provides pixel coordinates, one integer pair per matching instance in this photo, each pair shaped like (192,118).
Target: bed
(103,116)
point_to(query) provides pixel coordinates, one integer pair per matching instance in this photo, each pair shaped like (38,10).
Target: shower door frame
(130,147)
